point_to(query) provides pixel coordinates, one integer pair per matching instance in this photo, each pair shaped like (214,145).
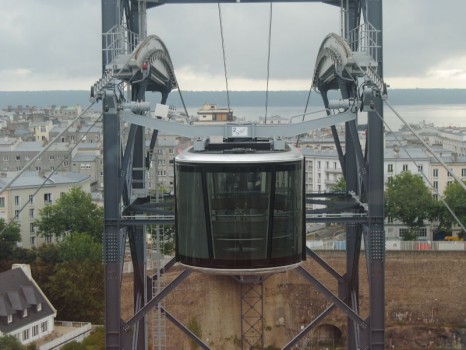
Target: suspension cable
(50,175)
(45,149)
(224,54)
(431,151)
(268,65)
(305,112)
(423,174)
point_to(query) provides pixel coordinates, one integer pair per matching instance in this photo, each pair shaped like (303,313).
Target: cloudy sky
(55,44)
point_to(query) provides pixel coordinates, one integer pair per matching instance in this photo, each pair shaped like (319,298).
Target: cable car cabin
(240,207)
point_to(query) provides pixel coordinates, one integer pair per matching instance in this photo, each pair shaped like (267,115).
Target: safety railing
(364,38)
(394,245)
(119,40)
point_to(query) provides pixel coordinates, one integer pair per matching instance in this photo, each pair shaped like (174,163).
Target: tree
(455,197)
(75,287)
(408,199)
(80,247)
(73,212)
(340,186)
(10,342)
(9,238)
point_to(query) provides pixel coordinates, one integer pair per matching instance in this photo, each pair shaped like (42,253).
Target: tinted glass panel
(191,223)
(239,211)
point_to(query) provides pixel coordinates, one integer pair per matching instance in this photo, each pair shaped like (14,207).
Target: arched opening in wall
(327,335)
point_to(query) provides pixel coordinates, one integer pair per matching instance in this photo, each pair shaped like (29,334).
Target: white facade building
(31,192)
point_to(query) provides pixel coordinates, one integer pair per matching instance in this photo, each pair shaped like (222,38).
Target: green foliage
(8,239)
(166,235)
(73,212)
(95,341)
(80,247)
(455,197)
(74,345)
(408,199)
(194,326)
(9,342)
(340,186)
(76,289)
(49,254)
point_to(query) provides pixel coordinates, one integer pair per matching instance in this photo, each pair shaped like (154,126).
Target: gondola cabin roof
(240,152)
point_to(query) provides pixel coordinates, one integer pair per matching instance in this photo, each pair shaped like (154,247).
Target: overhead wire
(37,156)
(423,174)
(431,151)
(268,65)
(49,176)
(305,112)
(224,54)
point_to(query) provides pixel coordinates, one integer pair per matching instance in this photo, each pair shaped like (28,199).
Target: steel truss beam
(363,172)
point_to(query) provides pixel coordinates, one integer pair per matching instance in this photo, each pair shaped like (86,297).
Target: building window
(47,198)
(450,172)
(26,334)
(38,168)
(318,164)
(48,239)
(35,330)
(420,168)
(390,168)
(435,172)
(18,158)
(26,157)
(16,214)
(33,241)
(17,201)
(52,157)
(2,202)
(436,185)
(32,227)
(405,167)
(44,327)
(43,129)
(39,307)
(25,313)
(5,158)
(9,318)
(463,172)
(31,213)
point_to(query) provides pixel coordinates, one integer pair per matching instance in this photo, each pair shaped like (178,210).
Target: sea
(440,115)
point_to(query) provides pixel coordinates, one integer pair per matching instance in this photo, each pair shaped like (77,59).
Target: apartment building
(31,192)
(15,154)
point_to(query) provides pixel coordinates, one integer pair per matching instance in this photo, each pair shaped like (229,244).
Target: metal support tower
(124,182)
(252,310)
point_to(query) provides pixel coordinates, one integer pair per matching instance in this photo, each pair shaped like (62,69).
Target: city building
(212,113)
(31,192)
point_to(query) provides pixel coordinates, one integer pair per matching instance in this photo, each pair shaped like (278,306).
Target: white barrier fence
(78,334)
(394,245)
